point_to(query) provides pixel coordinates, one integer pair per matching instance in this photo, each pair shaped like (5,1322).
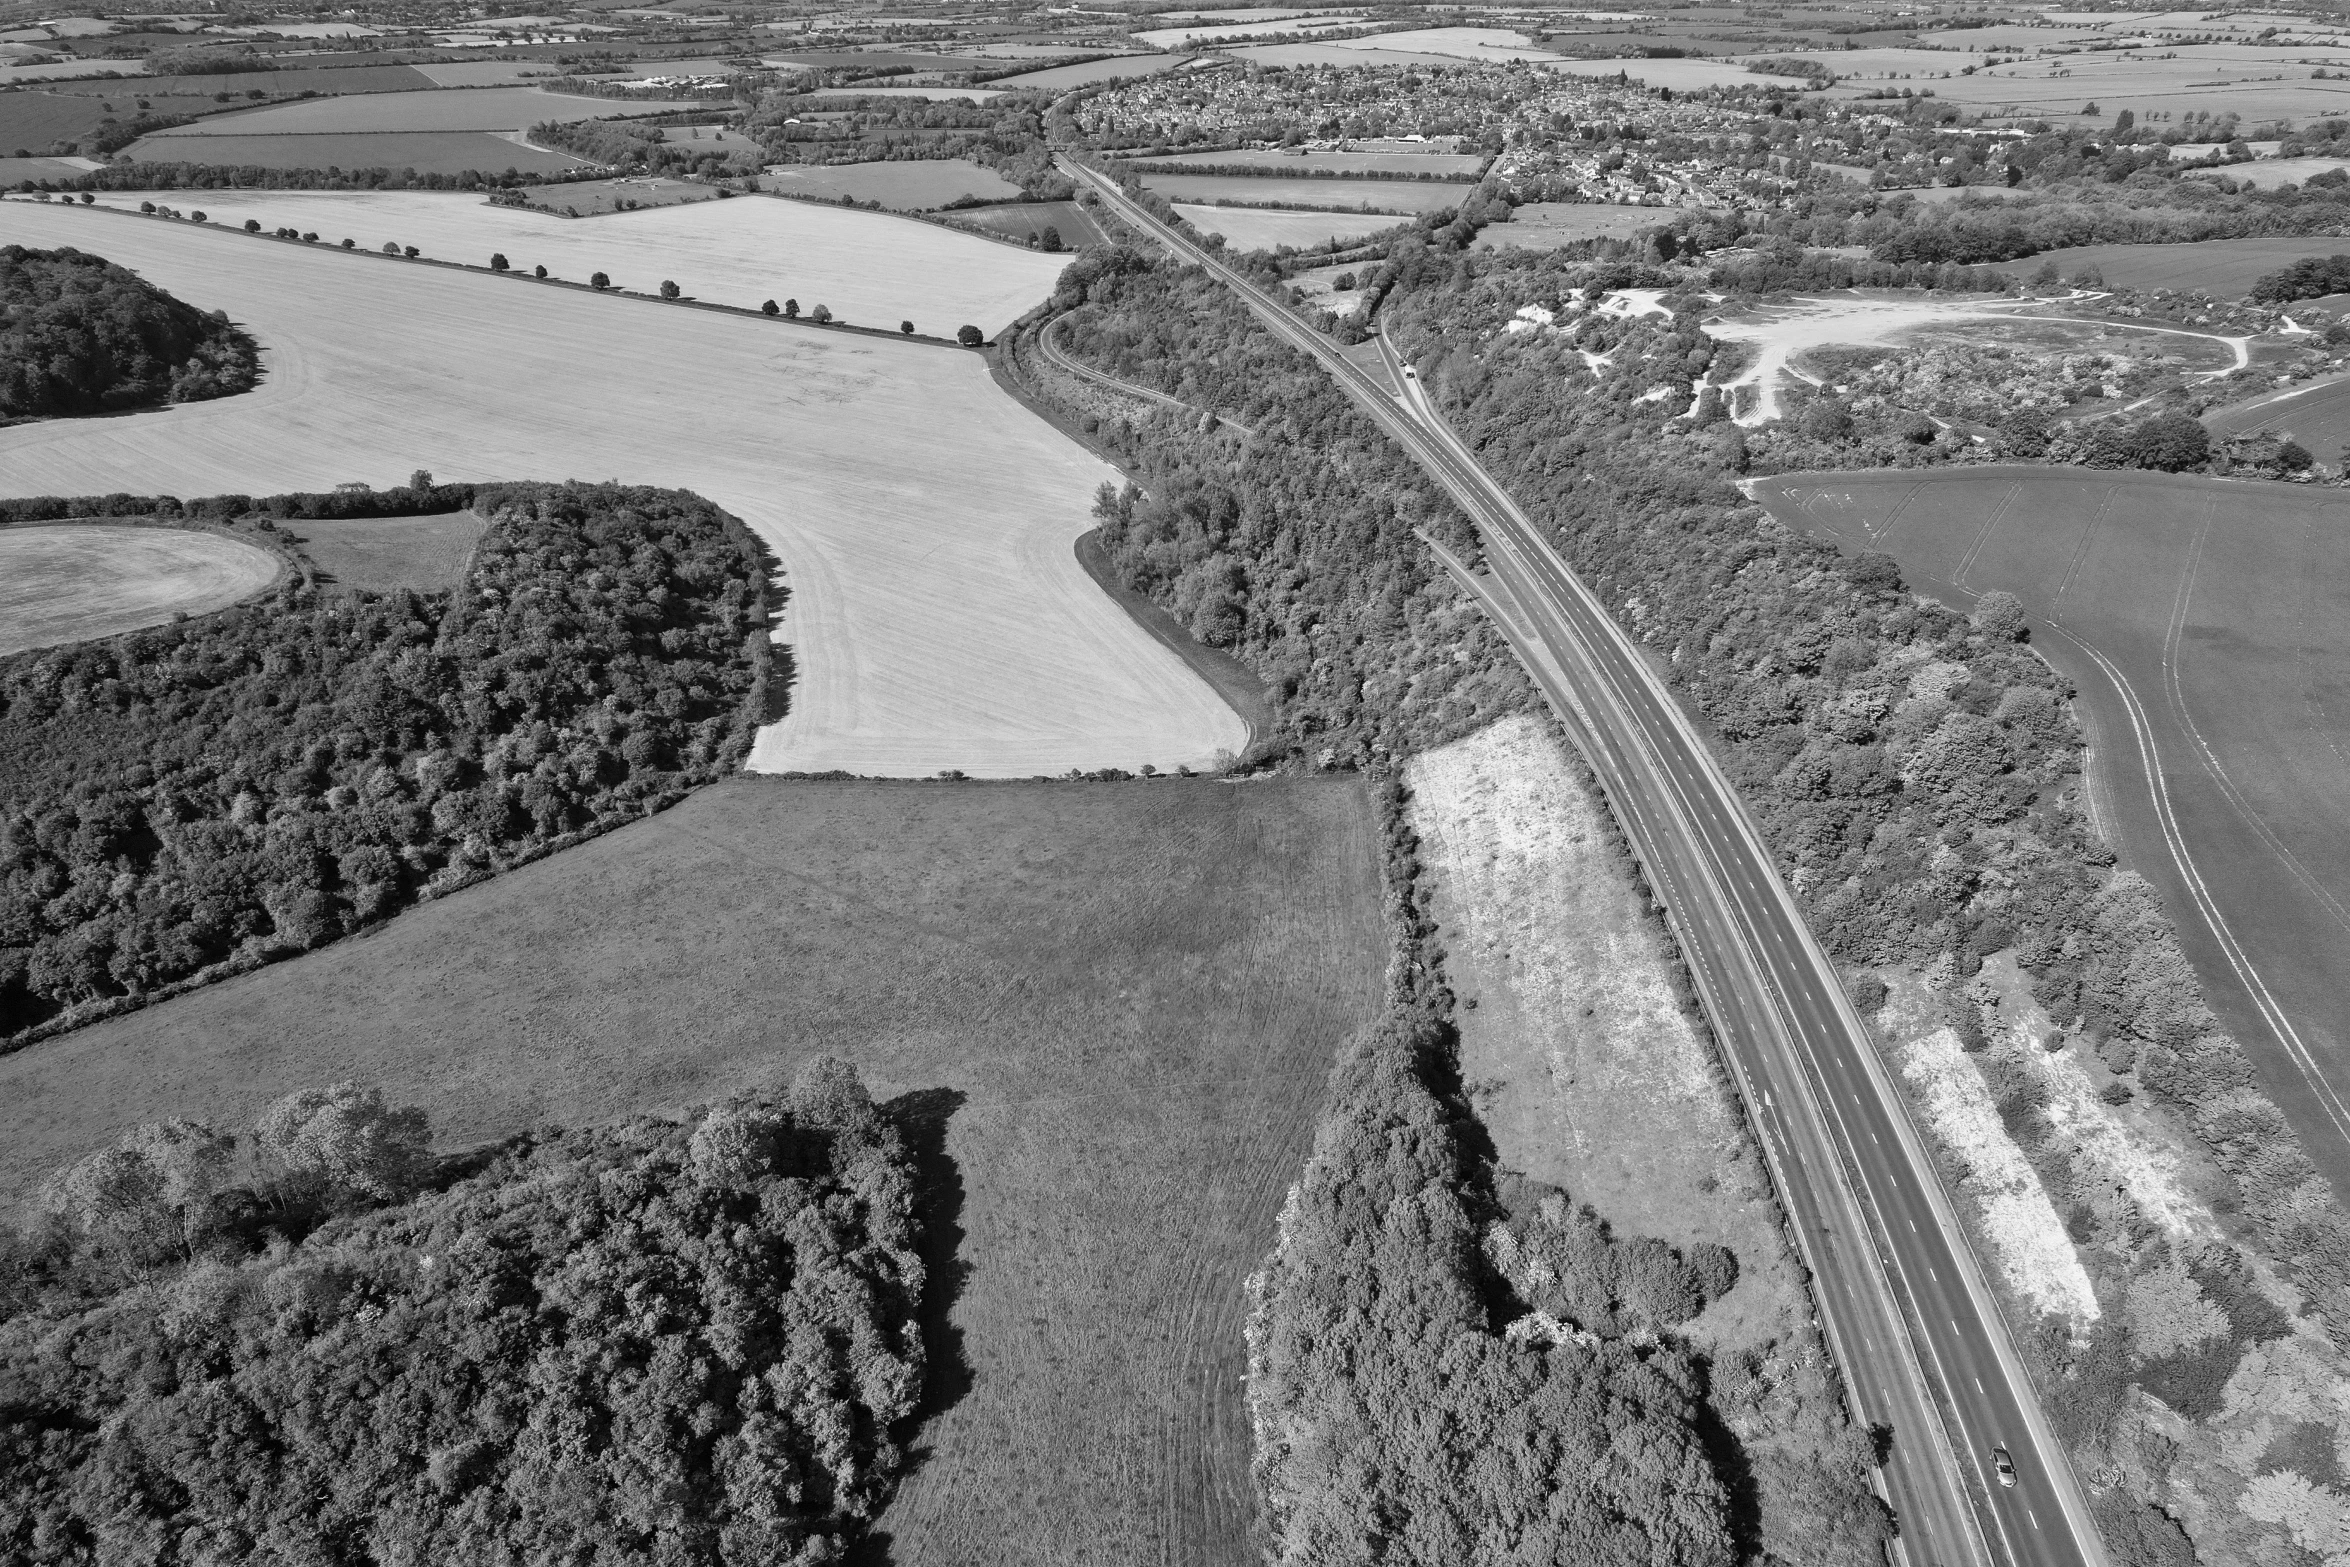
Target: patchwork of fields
(938,615)
(67,584)
(2205,623)
(867,269)
(1120,1002)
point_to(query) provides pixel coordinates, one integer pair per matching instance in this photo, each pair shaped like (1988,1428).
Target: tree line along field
(866,269)
(2199,618)
(1124,1000)
(937,618)
(68,584)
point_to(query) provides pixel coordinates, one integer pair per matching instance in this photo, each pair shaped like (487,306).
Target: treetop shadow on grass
(921,1117)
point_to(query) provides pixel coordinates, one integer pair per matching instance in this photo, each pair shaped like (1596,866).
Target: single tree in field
(87,198)
(599,281)
(412,252)
(538,271)
(350,244)
(310,238)
(668,289)
(1051,239)
(420,482)
(769,308)
(791,310)
(970,336)
(497,261)
(391,249)
(252,225)
(820,314)
(906,327)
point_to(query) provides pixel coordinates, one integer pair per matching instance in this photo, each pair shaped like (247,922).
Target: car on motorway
(2004,1465)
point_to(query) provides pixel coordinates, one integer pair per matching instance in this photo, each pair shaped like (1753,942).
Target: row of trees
(196,798)
(80,335)
(651,1342)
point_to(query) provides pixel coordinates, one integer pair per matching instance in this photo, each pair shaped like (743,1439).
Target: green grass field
(31,122)
(1125,998)
(2203,618)
(387,554)
(1338,195)
(2227,268)
(909,185)
(427,152)
(61,584)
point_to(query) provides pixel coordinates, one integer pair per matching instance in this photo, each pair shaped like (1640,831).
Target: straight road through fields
(1907,1312)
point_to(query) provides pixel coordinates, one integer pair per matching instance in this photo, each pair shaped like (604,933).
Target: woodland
(650,1342)
(79,335)
(199,797)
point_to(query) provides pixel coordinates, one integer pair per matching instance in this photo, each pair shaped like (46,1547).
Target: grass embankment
(1128,995)
(1581,1052)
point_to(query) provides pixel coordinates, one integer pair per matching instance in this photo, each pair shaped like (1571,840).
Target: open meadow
(1279,161)
(926,523)
(869,270)
(69,583)
(1546,225)
(1255,228)
(426,152)
(1018,219)
(1402,196)
(1118,68)
(2315,413)
(1121,1001)
(432,109)
(390,554)
(2205,625)
(2223,268)
(911,184)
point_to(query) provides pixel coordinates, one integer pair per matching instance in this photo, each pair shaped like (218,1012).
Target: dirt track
(925,521)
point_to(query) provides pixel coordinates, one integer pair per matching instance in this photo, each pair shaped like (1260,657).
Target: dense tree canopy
(649,1343)
(203,796)
(80,335)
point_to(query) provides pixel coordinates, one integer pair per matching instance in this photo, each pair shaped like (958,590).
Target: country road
(1908,1315)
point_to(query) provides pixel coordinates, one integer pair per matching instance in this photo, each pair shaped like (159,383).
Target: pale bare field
(1583,1065)
(430,109)
(925,521)
(1254,228)
(869,269)
(70,583)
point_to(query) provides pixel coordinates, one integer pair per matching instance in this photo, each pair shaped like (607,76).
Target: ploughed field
(67,583)
(1125,1000)
(926,523)
(2207,625)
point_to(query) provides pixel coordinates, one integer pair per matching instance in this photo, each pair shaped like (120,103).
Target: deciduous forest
(650,1342)
(80,335)
(199,797)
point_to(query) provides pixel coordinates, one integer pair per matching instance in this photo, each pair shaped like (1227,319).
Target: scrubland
(926,523)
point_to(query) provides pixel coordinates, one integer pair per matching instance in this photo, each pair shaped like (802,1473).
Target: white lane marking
(2035,1517)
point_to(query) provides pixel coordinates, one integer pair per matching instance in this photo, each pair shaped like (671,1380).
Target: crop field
(1215,32)
(910,184)
(1249,228)
(867,269)
(70,583)
(1679,75)
(588,198)
(1119,69)
(2204,622)
(427,152)
(1414,163)
(434,109)
(196,92)
(2269,173)
(963,94)
(1121,1000)
(926,522)
(484,73)
(15,169)
(390,554)
(1019,219)
(2224,268)
(1331,54)
(1345,195)
(2315,413)
(1546,225)
(31,122)
(1489,44)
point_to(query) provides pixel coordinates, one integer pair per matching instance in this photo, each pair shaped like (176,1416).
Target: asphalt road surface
(1908,1316)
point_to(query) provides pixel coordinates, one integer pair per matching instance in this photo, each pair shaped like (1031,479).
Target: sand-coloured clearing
(867,269)
(68,583)
(925,521)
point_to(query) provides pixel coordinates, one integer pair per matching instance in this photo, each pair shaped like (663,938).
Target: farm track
(1911,1320)
(2176,606)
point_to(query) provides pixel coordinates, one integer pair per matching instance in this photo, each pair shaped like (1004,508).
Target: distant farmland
(1413,163)
(427,152)
(2205,624)
(1018,220)
(68,583)
(1120,1003)
(926,523)
(910,184)
(1546,225)
(2226,268)
(433,109)
(1406,196)
(1122,68)
(1250,228)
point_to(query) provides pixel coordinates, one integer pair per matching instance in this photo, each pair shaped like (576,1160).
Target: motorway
(1907,1313)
